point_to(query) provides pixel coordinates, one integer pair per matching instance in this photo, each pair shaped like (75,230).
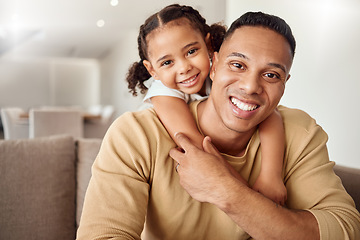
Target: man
(202,195)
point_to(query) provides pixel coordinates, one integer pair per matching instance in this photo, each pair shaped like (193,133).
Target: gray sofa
(42,186)
(43,183)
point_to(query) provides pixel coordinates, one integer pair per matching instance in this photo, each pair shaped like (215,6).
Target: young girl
(175,47)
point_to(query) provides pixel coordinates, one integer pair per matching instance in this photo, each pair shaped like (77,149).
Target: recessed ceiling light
(114,2)
(100,23)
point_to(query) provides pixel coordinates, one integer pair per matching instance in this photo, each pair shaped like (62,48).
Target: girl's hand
(271,187)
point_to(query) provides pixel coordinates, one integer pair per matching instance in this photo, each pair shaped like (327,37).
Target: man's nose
(250,83)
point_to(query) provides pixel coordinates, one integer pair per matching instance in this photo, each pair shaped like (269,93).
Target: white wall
(113,73)
(74,82)
(325,79)
(24,83)
(33,82)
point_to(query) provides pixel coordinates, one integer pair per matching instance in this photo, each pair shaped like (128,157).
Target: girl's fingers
(209,147)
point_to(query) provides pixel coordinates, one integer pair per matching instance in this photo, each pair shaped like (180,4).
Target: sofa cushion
(37,185)
(87,151)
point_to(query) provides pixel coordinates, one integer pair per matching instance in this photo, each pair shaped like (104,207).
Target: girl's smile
(190,81)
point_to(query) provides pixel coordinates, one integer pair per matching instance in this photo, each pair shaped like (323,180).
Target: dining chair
(96,128)
(14,126)
(47,122)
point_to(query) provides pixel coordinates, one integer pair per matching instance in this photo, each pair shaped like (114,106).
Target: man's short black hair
(267,21)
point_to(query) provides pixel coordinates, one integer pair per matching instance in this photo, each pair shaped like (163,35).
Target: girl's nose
(184,66)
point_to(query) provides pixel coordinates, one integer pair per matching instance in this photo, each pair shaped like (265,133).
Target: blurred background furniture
(95,109)
(42,193)
(96,128)
(14,126)
(350,178)
(47,122)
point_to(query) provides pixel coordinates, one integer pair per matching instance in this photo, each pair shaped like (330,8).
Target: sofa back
(42,184)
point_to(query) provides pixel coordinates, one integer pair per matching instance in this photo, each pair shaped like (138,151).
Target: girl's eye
(165,63)
(192,51)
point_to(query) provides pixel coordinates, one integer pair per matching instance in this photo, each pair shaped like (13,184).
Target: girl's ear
(209,45)
(213,66)
(149,68)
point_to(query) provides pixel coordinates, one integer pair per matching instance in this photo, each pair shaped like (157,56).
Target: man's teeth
(243,106)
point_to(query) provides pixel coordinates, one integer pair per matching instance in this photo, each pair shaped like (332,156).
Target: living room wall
(33,82)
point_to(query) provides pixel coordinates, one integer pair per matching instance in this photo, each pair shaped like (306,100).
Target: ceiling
(68,28)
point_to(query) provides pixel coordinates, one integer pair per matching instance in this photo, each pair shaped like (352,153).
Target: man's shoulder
(143,124)
(142,117)
(298,120)
(296,116)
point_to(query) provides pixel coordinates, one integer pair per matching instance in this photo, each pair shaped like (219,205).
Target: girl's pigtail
(138,73)
(136,76)
(217,33)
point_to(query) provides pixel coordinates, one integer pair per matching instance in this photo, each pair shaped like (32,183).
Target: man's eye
(272,77)
(238,65)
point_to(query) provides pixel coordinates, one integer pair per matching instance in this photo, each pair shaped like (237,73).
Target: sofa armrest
(350,178)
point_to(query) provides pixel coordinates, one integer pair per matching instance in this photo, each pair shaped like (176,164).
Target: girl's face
(178,57)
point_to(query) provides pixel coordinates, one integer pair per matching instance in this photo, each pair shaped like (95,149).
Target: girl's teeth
(188,81)
(243,106)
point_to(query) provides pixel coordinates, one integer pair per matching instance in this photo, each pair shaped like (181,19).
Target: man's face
(249,75)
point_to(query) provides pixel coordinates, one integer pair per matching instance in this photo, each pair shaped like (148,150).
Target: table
(86,116)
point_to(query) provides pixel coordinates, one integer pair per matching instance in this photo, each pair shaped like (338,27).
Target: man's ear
(213,67)
(288,77)
(149,67)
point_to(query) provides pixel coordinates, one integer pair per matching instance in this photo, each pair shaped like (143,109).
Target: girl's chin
(191,90)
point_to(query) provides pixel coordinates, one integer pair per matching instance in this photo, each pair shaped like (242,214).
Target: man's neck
(226,140)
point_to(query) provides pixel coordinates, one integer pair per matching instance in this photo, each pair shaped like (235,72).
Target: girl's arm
(272,138)
(175,114)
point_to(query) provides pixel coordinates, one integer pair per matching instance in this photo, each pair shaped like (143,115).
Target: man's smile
(242,105)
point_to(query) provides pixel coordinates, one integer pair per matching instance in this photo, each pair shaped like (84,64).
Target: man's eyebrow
(278,66)
(185,47)
(240,55)
(237,54)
